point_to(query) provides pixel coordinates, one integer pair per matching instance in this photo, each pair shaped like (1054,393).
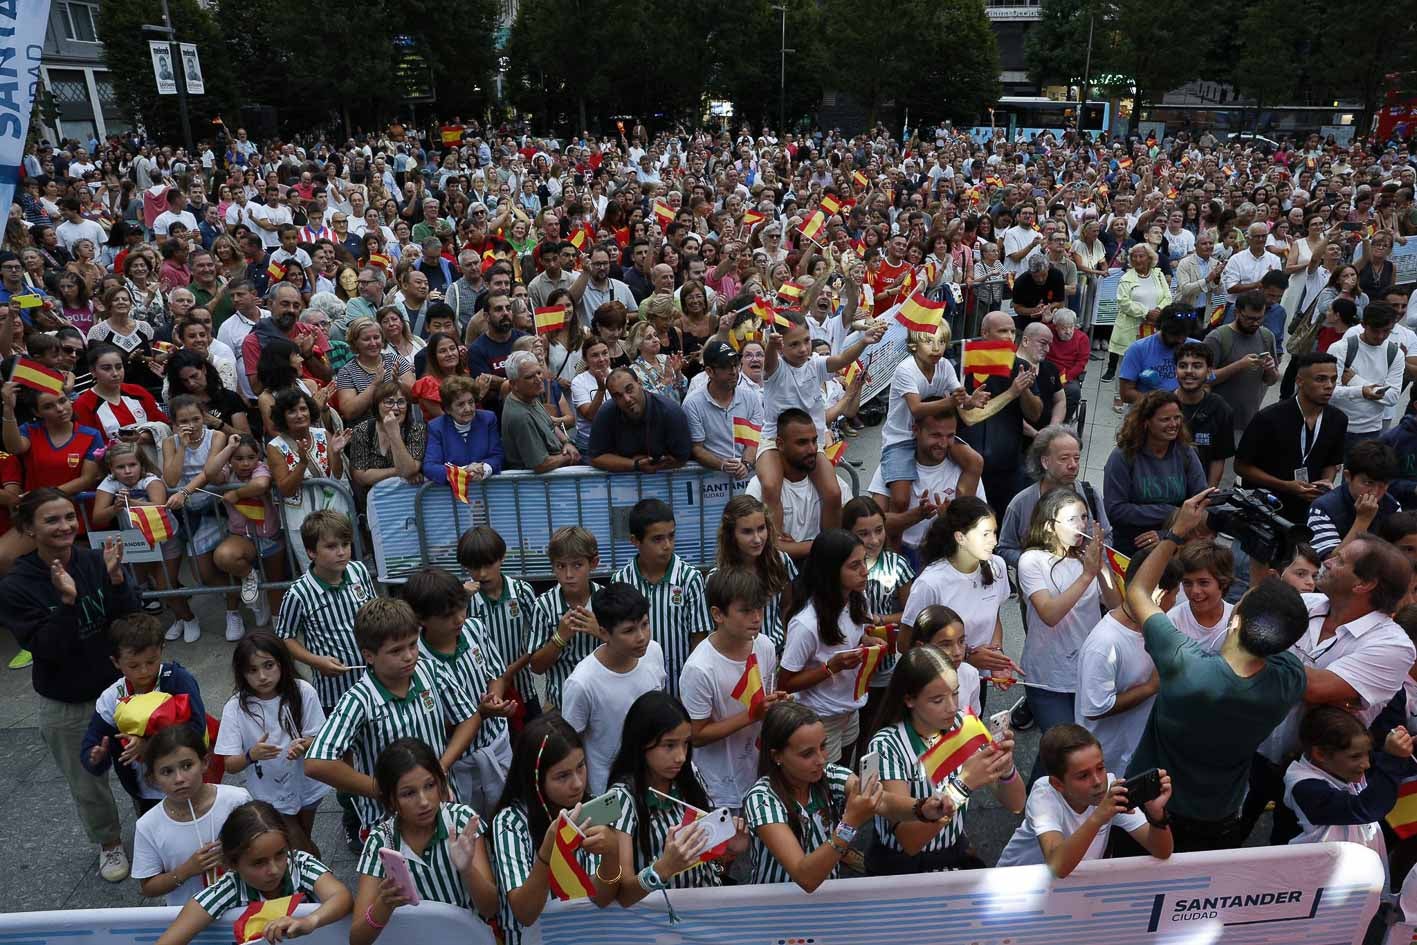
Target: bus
(1029,116)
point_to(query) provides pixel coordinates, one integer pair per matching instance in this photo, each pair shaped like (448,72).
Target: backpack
(1351,355)
(1226,334)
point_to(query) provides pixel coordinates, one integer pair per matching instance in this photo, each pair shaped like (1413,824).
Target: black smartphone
(1143,788)
(1352,227)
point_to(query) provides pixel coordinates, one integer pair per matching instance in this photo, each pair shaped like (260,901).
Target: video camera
(1251,517)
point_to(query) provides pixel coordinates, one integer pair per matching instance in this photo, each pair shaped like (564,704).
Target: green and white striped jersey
(817,820)
(434,874)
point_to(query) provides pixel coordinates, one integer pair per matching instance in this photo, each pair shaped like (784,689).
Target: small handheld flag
(749,689)
(578,240)
(852,372)
(791,291)
(380,261)
(989,358)
(918,313)
(859,179)
(275,271)
(550,319)
(746,433)
(954,748)
(663,214)
(458,480)
(251,925)
(1117,563)
(148,713)
(836,452)
(870,659)
(830,204)
(751,218)
(1403,816)
(884,631)
(154,521)
(813,227)
(251,509)
(569,880)
(1217,315)
(36,376)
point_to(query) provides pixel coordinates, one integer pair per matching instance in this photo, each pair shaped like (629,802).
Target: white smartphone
(396,869)
(870,767)
(999,721)
(718,827)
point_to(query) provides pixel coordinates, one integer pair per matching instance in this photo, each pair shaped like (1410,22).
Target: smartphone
(999,721)
(870,767)
(396,869)
(719,827)
(1143,788)
(602,811)
(1352,227)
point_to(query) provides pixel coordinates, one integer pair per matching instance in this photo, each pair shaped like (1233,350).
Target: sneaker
(173,632)
(152,606)
(351,836)
(113,864)
(250,587)
(848,430)
(1109,376)
(1021,719)
(235,627)
(22,659)
(261,610)
(191,631)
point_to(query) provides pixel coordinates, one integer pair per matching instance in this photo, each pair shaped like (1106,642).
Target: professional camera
(1251,517)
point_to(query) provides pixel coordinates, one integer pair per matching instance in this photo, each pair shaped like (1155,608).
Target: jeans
(1049,708)
(1191,835)
(1351,440)
(62,726)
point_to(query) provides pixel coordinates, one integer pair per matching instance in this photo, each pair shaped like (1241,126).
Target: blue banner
(22,25)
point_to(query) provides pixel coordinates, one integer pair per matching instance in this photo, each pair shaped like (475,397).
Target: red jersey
(885,275)
(10,471)
(134,405)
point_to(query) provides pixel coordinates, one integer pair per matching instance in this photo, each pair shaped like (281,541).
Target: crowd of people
(190,340)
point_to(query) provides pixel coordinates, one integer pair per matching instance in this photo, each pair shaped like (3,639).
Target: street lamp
(782,80)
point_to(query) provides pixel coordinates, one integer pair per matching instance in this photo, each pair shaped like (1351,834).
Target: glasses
(396,402)
(71,352)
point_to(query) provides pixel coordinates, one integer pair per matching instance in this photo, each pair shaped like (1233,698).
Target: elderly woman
(464,435)
(371,365)
(659,373)
(1141,295)
(1069,352)
(390,443)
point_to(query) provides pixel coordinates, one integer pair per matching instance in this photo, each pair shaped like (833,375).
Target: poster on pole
(192,69)
(21,43)
(163,69)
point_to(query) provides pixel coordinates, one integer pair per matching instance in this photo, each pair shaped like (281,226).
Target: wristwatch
(1169,535)
(845,833)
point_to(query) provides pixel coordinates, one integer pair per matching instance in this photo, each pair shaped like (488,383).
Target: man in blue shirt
(1150,362)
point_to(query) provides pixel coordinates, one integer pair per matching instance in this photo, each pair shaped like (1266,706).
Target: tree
(1055,48)
(1363,47)
(966,68)
(748,71)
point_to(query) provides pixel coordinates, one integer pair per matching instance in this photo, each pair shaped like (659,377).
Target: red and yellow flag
(870,659)
(568,879)
(859,179)
(578,240)
(275,271)
(814,225)
(741,335)
(749,689)
(550,319)
(451,135)
(765,310)
(836,452)
(148,713)
(458,479)
(954,748)
(830,203)
(251,509)
(662,213)
(36,376)
(154,521)
(751,218)
(380,261)
(251,924)
(791,291)
(1125,163)
(746,433)
(851,373)
(884,631)
(918,313)
(1217,315)
(1117,563)
(1403,816)
(988,358)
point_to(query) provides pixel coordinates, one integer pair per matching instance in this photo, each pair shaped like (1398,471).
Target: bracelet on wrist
(1013,773)
(611,880)
(369,919)
(1163,824)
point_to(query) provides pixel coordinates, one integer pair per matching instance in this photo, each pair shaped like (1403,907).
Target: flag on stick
(836,452)
(954,748)
(989,358)
(918,313)
(550,319)
(749,689)
(1403,816)
(870,659)
(148,713)
(458,480)
(569,880)
(36,376)
(154,521)
(747,433)
(251,925)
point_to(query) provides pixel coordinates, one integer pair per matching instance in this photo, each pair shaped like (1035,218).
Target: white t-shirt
(968,697)
(1048,812)
(1050,654)
(595,701)
(801,506)
(804,647)
(909,379)
(1405,338)
(1015,239)
(799,387)
(164,221)
(583,388)
(161,843)
(939,481)
(1209,637)
(278,781)
(1112,660)
(728,766)
(71,233)
(965,594)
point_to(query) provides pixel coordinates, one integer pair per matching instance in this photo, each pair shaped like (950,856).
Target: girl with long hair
(747,539)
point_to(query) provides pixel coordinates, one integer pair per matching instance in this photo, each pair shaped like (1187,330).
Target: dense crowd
(194,344)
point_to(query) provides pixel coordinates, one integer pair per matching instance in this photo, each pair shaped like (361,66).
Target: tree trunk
(580,104)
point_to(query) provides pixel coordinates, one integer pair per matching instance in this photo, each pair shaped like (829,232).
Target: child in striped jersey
(459,645)
(504,605)
(262,867)
(442,841)
(563,629)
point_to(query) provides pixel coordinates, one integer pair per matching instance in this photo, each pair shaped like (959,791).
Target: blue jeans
(1049,708)
(898,462)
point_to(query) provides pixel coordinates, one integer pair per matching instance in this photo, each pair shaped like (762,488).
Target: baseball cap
(719,354)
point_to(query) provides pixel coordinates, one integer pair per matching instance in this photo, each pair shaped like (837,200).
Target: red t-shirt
(10,471)
(885,275)
(135,405)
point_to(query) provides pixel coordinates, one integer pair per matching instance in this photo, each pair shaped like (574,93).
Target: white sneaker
(191,631)
(235,627)
(113,864)
(261,610)
(250,588)
(173,632)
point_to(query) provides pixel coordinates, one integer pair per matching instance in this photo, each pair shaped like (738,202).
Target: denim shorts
(898,462)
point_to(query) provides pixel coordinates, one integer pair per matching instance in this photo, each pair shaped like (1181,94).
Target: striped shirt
(888,575)
(507,621)
(474,666)
(774,627)
(514,855)
(323,616)
(369,717)
(762,806)
(546,615)
(678,611)
(900,748)
(231,891)
(663,817)
(434,874)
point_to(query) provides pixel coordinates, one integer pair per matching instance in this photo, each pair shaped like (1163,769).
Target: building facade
(1012,19)
(74,73)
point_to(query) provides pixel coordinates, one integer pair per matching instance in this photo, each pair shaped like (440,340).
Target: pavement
(53,866)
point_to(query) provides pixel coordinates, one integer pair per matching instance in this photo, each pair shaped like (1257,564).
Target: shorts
(265,547)
(842,732)
(898,462)
(200,531)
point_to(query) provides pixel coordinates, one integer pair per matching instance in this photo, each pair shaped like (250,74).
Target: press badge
(1301,474)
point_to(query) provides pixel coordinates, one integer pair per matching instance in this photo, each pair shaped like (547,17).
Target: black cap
(719,354)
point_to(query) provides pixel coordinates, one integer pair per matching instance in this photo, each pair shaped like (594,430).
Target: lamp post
(782,79)
(170,35)
(1086,70)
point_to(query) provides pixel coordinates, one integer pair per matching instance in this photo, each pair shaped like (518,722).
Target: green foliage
(748,63)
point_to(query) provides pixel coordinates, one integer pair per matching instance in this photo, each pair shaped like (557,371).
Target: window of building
(79,19)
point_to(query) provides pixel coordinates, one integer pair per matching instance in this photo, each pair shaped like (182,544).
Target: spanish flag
(743,334)
(1103,189)
(458,480)
(1125,163)
(578,240)
(813,227)
(994,181)
(751,218)
(275,271)
(884,631)
(836,452)
(870,659)
(1217,315)
(251,509)
(1117,563)
(859,179)
(769,314)
(746,433)
(749,690)
(663,214)
(148,713)
(918,313)
(550,319)
(36,376)
(851,372)
(163,347)
(568,879)
(791,291)
(692,814)
(154,521)
(380,261)
(451,135)
(989,358)
(1403,816)
(830,204)
(251,924)
(954,748)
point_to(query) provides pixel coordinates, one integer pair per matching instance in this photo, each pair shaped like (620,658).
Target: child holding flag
(933,758)
(150,696)
(253,839)
(828,657)
(252,524)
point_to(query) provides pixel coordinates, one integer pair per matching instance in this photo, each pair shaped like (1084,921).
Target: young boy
(1208,417)
(1071,812)
(137,653)
(563,629)
(458,644)
(1207,571)
(503,605)
(598,694)
(397,696)
(724,693)
(289,236)
(678,616)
